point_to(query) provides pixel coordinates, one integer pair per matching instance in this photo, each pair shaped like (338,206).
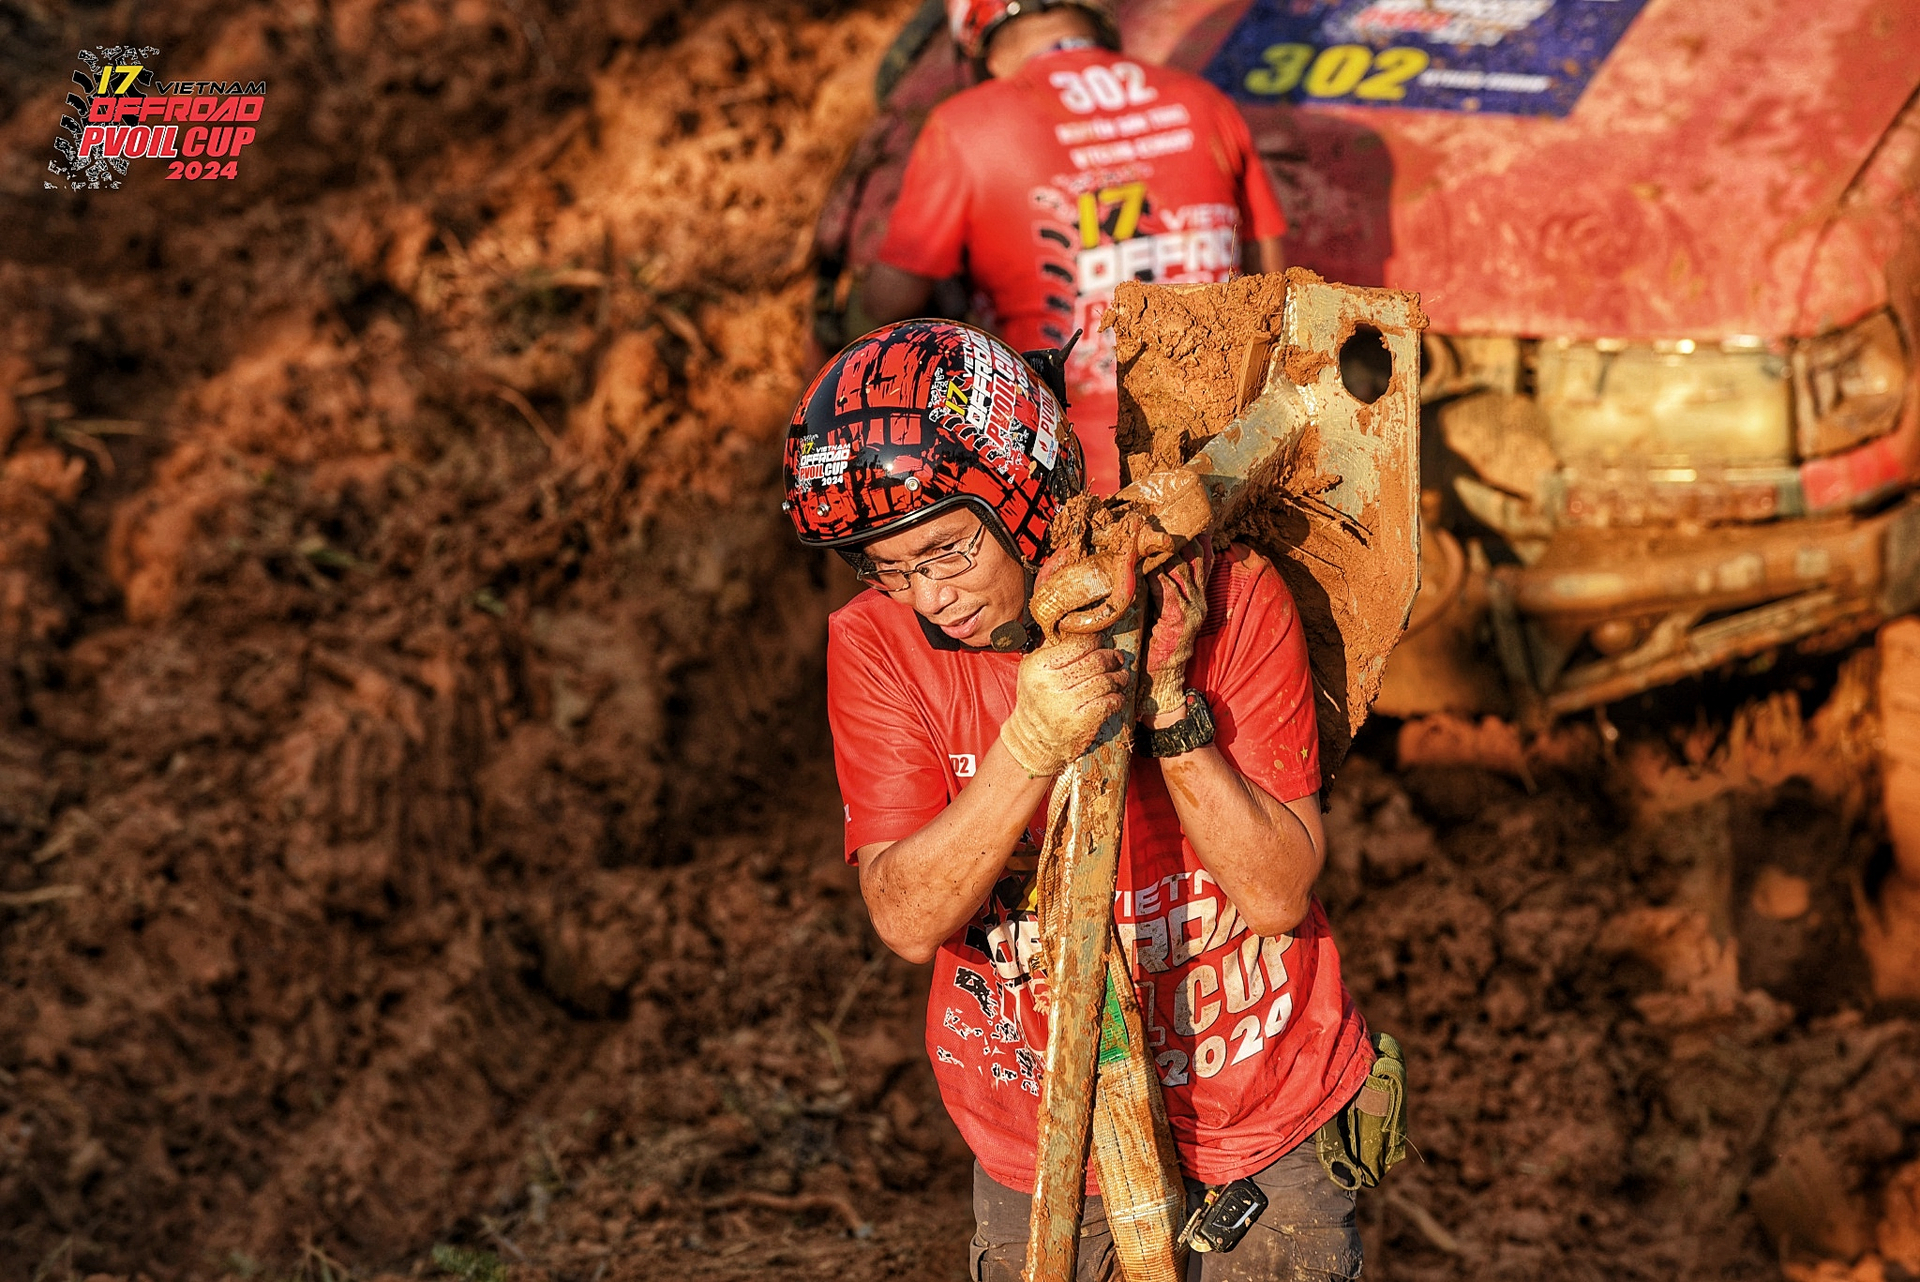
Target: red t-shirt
(1257,1040)
(1082,169)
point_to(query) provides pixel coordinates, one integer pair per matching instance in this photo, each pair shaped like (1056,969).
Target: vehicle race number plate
(1515,57)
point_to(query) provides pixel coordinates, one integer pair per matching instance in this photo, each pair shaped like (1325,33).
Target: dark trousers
(1306,1232)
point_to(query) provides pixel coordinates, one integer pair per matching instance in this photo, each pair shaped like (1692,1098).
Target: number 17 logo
(127,76)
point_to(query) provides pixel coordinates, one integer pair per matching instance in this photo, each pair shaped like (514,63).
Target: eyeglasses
(947,565)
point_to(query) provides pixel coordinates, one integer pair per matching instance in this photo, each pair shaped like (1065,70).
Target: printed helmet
(922,416)
(973,22)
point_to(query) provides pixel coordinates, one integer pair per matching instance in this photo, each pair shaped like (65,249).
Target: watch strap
(1195,730)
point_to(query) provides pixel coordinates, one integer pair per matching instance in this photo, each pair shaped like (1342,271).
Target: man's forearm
(921,889)
(1270,254)
(1265,853)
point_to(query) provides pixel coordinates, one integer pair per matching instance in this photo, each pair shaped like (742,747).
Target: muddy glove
(1180,606)
(1066,690)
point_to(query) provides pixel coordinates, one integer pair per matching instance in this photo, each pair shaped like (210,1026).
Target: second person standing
(1070,169)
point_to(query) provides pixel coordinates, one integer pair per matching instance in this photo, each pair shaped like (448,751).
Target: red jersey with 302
(1083,169)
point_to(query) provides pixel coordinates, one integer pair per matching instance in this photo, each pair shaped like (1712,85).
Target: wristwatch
(1195,730)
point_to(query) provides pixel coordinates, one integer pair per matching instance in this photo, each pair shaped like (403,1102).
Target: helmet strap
(1021,634)
(1050,363)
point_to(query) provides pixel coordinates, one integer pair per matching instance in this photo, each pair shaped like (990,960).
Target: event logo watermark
(124,113)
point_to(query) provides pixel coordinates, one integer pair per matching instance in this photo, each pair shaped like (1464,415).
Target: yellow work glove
(1066,690)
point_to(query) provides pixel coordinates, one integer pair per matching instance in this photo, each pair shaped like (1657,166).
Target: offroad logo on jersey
(1094,238)
(122,112)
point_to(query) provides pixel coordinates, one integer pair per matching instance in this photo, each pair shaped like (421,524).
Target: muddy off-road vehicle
(1670,250)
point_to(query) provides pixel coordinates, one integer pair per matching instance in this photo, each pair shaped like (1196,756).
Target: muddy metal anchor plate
(1253,384)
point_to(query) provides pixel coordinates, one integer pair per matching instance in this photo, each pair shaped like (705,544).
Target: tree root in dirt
(831,1204)
(1422,1219)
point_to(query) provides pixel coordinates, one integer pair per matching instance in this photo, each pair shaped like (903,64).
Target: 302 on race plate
(1515,57)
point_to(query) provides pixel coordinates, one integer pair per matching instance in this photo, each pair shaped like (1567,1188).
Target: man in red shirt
(1072,168)
(934,459)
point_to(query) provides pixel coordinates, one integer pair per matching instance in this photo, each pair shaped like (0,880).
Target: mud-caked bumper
(1607,614)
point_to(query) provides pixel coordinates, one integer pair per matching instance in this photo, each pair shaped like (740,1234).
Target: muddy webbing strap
(1132,1144)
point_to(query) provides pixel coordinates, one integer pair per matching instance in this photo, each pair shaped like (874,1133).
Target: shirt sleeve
(1259,205)
(1258,680)
(927,233)
(892,775)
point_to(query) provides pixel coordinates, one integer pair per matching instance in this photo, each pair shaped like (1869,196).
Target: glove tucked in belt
(1364,1140)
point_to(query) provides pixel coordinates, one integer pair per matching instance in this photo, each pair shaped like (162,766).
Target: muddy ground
(418,845)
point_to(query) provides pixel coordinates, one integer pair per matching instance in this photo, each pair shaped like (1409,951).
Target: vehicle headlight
(1848,386)
(1678,404)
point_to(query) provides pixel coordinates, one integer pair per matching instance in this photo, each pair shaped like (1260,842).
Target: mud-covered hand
(1066,689)
(1179,591)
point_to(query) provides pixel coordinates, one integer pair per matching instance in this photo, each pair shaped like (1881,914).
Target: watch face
(1197,729)
(1202,714)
